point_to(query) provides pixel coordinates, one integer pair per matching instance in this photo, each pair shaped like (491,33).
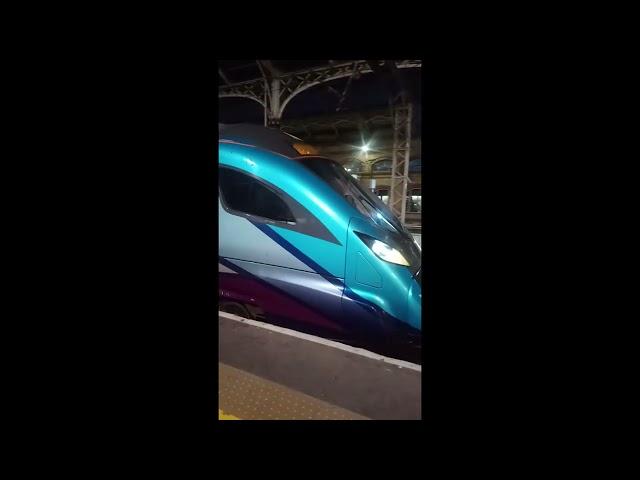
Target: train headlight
(383,251)
(388,254)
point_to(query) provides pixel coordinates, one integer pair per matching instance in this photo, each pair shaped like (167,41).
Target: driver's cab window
(245,194)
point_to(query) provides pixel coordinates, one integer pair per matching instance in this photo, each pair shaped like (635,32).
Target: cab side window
(248,195)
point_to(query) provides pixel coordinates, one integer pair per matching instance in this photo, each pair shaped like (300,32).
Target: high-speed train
(303,245)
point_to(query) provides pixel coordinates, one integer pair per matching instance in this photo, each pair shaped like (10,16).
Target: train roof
(262,137)
(265,138)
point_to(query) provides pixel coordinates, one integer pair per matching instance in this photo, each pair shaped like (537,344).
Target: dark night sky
(369,92)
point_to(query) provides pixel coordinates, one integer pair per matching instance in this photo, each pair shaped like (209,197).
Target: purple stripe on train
(243,288)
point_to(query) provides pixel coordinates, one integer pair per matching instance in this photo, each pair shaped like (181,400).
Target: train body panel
(318,251)
(239,238)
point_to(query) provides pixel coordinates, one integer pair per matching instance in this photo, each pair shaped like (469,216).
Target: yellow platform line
(223,416)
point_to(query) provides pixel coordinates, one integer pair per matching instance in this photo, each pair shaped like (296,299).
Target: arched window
(382,166)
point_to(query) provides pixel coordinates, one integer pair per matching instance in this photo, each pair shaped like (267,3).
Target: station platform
(272,373)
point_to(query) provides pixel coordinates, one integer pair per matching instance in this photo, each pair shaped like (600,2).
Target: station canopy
(236,71)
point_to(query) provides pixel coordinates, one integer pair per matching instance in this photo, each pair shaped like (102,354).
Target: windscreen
(366,202)
(343,183)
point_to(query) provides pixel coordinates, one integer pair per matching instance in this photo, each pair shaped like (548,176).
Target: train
(303,245)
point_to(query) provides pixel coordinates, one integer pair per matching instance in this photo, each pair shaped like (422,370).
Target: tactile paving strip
(249,397)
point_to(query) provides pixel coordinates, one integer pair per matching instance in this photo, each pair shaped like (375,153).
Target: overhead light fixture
(365,148)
